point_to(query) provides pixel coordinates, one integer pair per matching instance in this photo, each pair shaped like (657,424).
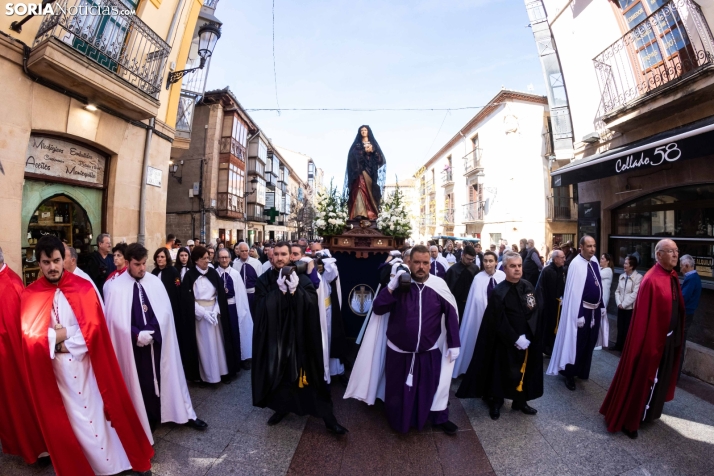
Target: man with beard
(478,296)
(208,353)
(238,306)
(83,407)
(288,372)
(647,373)
(141,323)
(507,360)
(580,318)
(460,276)
(248,269)
(438,264)
(409,348)
(19,431)
(549,290)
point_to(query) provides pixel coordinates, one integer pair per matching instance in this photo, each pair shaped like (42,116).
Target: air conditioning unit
(591,138)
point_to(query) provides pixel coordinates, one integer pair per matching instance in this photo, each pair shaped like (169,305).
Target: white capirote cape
(175,400)
(471,320)
(254,263)
(443,261)
(245,320)
(564,349)
(367,382)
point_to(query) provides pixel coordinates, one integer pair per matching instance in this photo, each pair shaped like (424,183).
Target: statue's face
(363,132)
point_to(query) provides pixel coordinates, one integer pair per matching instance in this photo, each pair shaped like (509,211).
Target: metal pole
(141,236)
(200,188)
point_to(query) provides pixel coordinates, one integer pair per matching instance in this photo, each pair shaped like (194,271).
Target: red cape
(19,431)
(65,450)
(625,401)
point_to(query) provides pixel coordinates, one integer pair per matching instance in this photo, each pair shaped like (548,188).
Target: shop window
(62,217)
(685,214)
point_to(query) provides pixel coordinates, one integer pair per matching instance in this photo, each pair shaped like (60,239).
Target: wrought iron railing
(447,177)
(472,160)
(473,211)
(562,208)
(121,43)
(232,146)
(448,216)
(669,45)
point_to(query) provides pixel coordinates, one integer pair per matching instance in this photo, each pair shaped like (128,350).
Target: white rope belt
(207,303)
(250,290)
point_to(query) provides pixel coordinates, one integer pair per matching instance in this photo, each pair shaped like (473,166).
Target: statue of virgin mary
(365,176)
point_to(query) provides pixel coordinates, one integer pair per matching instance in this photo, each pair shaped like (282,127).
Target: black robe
(550,287)
(287,342)
(187,332)
(171,279)
(495,369)
(338,338)
(459,278)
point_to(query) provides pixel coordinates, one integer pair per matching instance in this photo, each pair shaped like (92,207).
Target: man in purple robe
(438,264)
(415,357)
(249,270)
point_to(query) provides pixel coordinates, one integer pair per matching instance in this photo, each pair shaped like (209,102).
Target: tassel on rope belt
(410,377)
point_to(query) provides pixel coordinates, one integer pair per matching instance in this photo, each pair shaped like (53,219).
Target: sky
(364,54)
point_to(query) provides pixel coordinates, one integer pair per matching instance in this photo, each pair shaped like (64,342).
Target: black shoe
(525,408)
(630,434)
(342,378)
(145,473)
(494,413)
(245,365)
(336,428)
(44,461)
(202,384)
(570,383)
(196,424)
(276,418)
(449,428)
(226,380)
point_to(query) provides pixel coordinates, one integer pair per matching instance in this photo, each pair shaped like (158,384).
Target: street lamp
(254,185)
(208,35)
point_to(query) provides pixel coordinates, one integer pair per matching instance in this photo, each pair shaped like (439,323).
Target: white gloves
(293,282)
(281,284)
(452,354)
(394,283)
(581,322)
(212,318)
(144,338)
(326,253)
(522,343)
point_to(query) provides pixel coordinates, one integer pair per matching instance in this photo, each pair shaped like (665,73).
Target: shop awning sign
(50,157)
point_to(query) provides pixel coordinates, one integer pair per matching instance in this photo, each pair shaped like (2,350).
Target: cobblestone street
(566,437)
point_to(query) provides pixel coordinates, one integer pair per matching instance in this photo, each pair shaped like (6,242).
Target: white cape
(471,320)
(78,272)
(367,382)
(175,400)
(566,340)
(254,263)
(245,320)
(322,294)
(443,261)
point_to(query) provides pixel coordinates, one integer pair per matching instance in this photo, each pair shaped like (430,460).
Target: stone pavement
(566,437)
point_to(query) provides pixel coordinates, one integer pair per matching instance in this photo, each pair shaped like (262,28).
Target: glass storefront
(684,214)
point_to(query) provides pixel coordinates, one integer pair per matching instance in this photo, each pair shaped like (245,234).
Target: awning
(455,238)
(671,147)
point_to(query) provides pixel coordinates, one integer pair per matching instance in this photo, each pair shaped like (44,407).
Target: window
(495,238)
(240,132)
(236,180)
(262,151)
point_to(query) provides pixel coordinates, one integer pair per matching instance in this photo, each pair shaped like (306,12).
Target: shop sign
(703,265)
(60,159)
(153,176)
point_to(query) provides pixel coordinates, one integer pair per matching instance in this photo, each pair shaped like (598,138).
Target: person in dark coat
(170,278)
(205,336)
(532,264)
(460,276)
(549,290)
(288,370)
(100,263)
(508,358)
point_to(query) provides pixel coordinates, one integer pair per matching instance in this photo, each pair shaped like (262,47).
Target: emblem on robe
(360,299)
(530,301)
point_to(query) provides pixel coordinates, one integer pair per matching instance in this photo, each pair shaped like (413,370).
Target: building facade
(490,180)
(86,147)
(640,85)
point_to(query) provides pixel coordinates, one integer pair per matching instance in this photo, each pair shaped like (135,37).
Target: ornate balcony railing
(448,217)
(669,45)
(230,206)
(232,146)
(472,161)
(562,208)
(473,211)
(447,177)
(121,43)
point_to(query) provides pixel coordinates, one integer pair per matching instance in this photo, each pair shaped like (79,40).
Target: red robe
(65,450)
(19,431)
(625,401)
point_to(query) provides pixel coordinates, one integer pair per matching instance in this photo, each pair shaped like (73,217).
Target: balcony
(473,212)
(428,220)
(230,206)
(254,212)
(255,167)
(113,60)
(447,178)
(562,209)
(472,162)
(229,145)
(448,217)
(640,74)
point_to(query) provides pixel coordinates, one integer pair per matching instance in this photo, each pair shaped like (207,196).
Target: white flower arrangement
(393,220)
(331,216)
